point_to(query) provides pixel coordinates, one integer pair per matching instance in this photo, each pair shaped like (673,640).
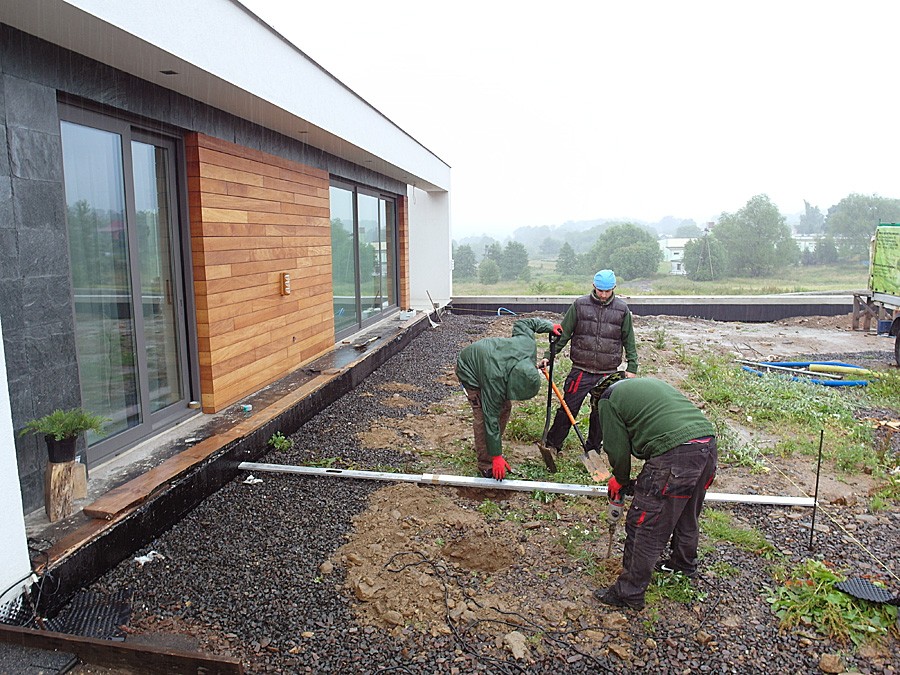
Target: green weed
(734,450)
(878,503)
(490,510)
(807,597)
(280,442)
(719,526)
(659,338)
(723,570)
(889,491)
(674,587)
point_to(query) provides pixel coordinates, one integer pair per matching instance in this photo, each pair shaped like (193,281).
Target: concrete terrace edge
(748,308)
(119,538)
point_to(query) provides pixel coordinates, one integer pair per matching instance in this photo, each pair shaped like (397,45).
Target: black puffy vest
(597,342)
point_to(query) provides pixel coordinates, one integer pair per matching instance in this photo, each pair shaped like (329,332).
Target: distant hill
(544,241)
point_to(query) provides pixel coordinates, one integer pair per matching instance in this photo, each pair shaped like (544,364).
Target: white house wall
(15,568)
(430,247)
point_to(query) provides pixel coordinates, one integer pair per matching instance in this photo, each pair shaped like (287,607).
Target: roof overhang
(219,53)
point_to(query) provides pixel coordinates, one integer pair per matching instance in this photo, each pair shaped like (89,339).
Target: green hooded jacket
(646,417)
(504,369)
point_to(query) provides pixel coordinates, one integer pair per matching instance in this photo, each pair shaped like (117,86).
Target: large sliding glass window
(363,255)
(130,328)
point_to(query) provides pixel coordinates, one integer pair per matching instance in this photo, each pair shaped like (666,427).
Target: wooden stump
(59,488)
(79,489)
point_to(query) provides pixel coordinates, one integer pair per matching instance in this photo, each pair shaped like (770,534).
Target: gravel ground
(242,573)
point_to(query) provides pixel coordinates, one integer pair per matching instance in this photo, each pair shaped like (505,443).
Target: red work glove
(501,466)
(614,490)
(557,329)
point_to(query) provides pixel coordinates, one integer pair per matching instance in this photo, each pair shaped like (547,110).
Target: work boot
(666,566)
(608,596)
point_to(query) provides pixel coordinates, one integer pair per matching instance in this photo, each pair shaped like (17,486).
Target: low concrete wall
(750,308)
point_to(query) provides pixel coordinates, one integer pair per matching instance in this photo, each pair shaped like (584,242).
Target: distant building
(807,242)
(673,253)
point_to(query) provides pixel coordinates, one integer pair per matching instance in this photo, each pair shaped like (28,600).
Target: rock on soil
(328,575)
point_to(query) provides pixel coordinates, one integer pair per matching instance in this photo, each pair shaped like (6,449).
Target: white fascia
(227,57)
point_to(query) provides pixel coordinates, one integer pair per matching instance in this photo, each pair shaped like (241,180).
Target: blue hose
(813,380)
(503,309)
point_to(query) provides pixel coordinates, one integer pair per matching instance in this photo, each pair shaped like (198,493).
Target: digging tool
(590,458)
(547,453)
(614,514)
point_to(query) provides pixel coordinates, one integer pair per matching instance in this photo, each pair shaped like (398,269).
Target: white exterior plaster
(430,248)
(15,566)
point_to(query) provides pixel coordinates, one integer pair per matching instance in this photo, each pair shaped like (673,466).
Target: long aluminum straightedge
(489,483)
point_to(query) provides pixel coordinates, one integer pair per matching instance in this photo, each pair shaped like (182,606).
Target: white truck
(884,277)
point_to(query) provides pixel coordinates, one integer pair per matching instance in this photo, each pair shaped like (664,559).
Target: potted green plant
(61,430)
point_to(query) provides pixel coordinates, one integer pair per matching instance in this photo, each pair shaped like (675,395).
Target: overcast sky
(600,109)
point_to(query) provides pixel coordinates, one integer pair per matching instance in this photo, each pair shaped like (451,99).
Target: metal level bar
(490,483)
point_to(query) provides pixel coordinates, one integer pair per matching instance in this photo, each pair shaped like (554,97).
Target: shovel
(547,453)
(590,458)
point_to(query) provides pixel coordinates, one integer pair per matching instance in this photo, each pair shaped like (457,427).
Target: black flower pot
(61,451)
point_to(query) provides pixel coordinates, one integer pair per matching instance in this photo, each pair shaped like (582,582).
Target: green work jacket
(646,417)
(503,369)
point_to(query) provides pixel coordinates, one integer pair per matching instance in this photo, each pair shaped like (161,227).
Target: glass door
(126,264)
(154,227)
(363,256)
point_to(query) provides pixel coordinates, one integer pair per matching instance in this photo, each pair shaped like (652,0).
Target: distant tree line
(753,241)
(509,263)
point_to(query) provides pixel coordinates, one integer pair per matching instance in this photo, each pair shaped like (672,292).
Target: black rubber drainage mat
(95,615)
(866,590)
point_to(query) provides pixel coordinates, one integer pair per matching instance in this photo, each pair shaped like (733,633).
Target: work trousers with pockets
(668,497)
(485,460)
(577,386)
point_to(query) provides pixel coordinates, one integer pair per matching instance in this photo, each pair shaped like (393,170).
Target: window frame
(357,189)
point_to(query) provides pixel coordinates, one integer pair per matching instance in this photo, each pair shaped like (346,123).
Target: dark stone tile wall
(36,307)
(35,289)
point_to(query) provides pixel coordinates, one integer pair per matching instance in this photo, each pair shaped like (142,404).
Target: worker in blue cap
(599,326)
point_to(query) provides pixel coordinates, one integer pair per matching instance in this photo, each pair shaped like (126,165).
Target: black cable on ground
(500,663)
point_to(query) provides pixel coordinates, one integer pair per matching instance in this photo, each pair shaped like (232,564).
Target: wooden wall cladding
(403,250)
(254,217)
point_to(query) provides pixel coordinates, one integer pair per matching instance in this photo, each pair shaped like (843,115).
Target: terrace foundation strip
(121,656)
(490,483)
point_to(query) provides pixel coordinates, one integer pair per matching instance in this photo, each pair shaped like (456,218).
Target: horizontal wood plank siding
(254,217)
(403,250)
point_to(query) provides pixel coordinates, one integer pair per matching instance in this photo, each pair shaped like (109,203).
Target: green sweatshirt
(504,369)
(646,417)
(570,322)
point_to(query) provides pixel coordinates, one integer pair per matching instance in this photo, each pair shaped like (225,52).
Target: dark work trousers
(668,497)
(485,460)
(577,386)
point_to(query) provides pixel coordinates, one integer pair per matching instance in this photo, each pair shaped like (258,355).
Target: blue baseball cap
(605,280)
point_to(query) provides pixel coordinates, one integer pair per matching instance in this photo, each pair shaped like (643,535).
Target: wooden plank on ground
(121,656)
